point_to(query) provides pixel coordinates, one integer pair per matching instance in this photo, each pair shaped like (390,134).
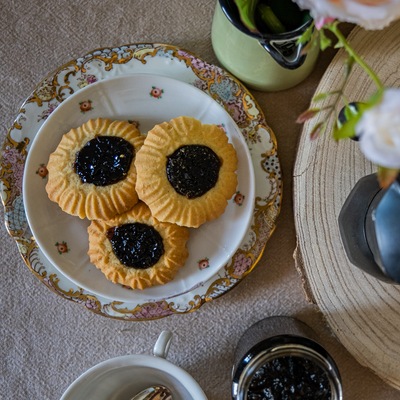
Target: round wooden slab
(363,312)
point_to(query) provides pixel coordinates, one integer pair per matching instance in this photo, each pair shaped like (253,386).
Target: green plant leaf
(324,96)
(348,66)
(375,98)
(270,19)
(318,130)
(247,9)
(349,112)
(306,36)
(308,47)
(308,114)
(338,45)
(348,129)
(324,41)
(320,97)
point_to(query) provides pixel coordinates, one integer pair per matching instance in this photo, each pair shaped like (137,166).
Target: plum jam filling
(136,245)
(289,378)
(193,170)
(104,160)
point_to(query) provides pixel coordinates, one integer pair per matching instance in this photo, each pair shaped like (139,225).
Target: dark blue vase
(369,224)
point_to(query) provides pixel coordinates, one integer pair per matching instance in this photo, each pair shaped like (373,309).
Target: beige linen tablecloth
(45,341)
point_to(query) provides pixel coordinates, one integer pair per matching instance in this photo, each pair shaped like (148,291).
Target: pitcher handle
(161,347)
(294,60)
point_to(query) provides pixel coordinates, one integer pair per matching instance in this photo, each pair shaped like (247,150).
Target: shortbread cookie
(136,250)
(186,172)
(92,172)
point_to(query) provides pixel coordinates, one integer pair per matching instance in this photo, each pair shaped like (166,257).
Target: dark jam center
(104,160)
(289,378)
(136,245)
(193,170)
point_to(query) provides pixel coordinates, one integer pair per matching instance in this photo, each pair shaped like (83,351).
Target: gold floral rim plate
(179,64)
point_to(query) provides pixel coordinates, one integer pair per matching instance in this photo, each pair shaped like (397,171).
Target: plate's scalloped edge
(264,214)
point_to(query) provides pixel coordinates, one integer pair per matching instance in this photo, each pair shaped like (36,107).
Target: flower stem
(334,29)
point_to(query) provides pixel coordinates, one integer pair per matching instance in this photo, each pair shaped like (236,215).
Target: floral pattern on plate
(239,198)
(156,92)
(46,113)
(62,247)
(85,80)
(222,126)
(178,64)
(85,106)
(42,171)
(204,263)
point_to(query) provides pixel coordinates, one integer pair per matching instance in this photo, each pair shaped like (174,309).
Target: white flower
(370,14)
(379,131)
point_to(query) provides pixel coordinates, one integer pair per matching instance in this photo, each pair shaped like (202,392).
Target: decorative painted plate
(148,100)
(175,63)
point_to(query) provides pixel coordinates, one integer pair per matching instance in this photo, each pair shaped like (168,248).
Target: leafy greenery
(270,19)
(318,130)
(247,9)
(325,42)
(386,176)
(348,129)
(271,16)
(323,96)
(306,36)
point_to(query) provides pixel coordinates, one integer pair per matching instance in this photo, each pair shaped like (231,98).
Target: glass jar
(277,337)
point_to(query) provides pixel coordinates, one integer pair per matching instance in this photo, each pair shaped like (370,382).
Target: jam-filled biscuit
(92,172)
(136,250)
(186,172)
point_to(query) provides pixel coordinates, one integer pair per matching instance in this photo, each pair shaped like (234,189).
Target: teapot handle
(285,52)
(161,347)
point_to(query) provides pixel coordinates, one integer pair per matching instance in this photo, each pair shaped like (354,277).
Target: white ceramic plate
(158,59)
(150,100)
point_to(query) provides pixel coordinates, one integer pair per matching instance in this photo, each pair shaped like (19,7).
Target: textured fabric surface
(46,341)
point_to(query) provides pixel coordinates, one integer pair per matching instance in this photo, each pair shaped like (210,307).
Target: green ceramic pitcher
(266,62)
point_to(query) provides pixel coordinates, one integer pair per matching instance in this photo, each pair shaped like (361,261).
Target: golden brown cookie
(92,172)
(124,247)
(186,172)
